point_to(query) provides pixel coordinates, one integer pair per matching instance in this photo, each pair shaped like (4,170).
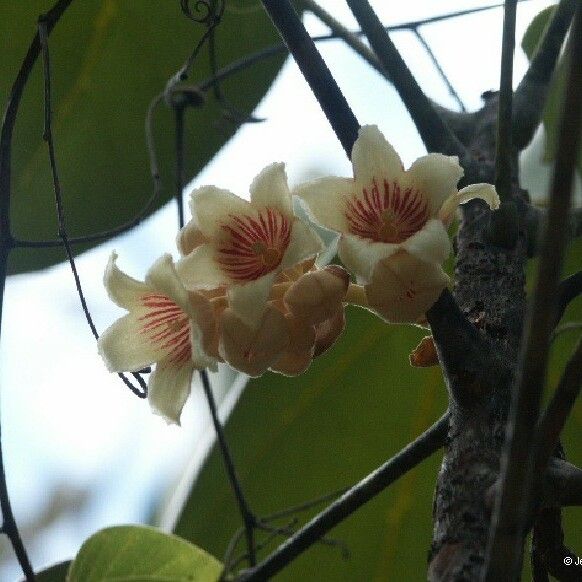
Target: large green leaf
(295,439)
(109,58)
(555,96)
(141,554)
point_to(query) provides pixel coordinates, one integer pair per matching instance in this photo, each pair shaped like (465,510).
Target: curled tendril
(207,12)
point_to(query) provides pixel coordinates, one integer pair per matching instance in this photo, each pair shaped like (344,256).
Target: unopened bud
(327,332)
(424,354)
(317,295)
(250,350)
(299,353)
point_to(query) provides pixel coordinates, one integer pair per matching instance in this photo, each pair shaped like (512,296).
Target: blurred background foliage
(109,59)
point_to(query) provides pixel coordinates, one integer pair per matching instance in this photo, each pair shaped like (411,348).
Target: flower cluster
(247,290)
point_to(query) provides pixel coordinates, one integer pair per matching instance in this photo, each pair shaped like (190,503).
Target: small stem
(248,517)
(315,71)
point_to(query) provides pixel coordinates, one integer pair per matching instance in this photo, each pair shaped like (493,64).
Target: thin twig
(315,71)
(435,134)
(408,458)
(452,91)
(507,532)
(47,136)
(248,517)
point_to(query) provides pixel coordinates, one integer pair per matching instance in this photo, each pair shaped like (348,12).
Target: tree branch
(315,71)
(568,290)
(530,95)
(408,458)
(435,134)
(505,548)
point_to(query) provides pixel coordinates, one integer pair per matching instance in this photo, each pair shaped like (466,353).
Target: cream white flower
(403,288)
(165,325)
(385,209)
(244,245)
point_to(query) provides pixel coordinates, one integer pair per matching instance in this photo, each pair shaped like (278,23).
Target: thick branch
(568,290)
(530,95)
(315,71)
(511,508)
(435,134)
(408,458)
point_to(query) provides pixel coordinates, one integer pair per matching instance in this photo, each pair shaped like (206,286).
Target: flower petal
(270,190)
(403,288)
(199,269)
(431,243)
(436,176)
(360,256)
(298,355)
(485,192)
(189,238)
(169,388)
(373,157)
(124,348)
(212,207)
(162,276)
(304,244)
(248,301)
(327,332)
(122,289)
(325,201)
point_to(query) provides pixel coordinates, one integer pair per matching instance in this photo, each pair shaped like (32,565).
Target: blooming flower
(165,324)
(385,209)
(244,245)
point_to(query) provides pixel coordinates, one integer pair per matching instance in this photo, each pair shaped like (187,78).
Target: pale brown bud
(327,332)
(299,353)
(317,295)
(424,354)
(249,350)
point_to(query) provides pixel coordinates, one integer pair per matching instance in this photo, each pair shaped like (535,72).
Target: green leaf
(141,554)
(535,31)
(109,58)
(294,439)
(555,96)
(55,573)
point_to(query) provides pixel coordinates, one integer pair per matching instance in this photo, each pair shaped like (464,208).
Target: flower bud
(403,288)
(424,354)
(317,295)
(298,355)
(250,350)
(327,332)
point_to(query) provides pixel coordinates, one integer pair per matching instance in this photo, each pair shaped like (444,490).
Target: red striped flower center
(167,327)
(391,215)
(254,246)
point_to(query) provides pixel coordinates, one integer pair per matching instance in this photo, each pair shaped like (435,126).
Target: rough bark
(489,289)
